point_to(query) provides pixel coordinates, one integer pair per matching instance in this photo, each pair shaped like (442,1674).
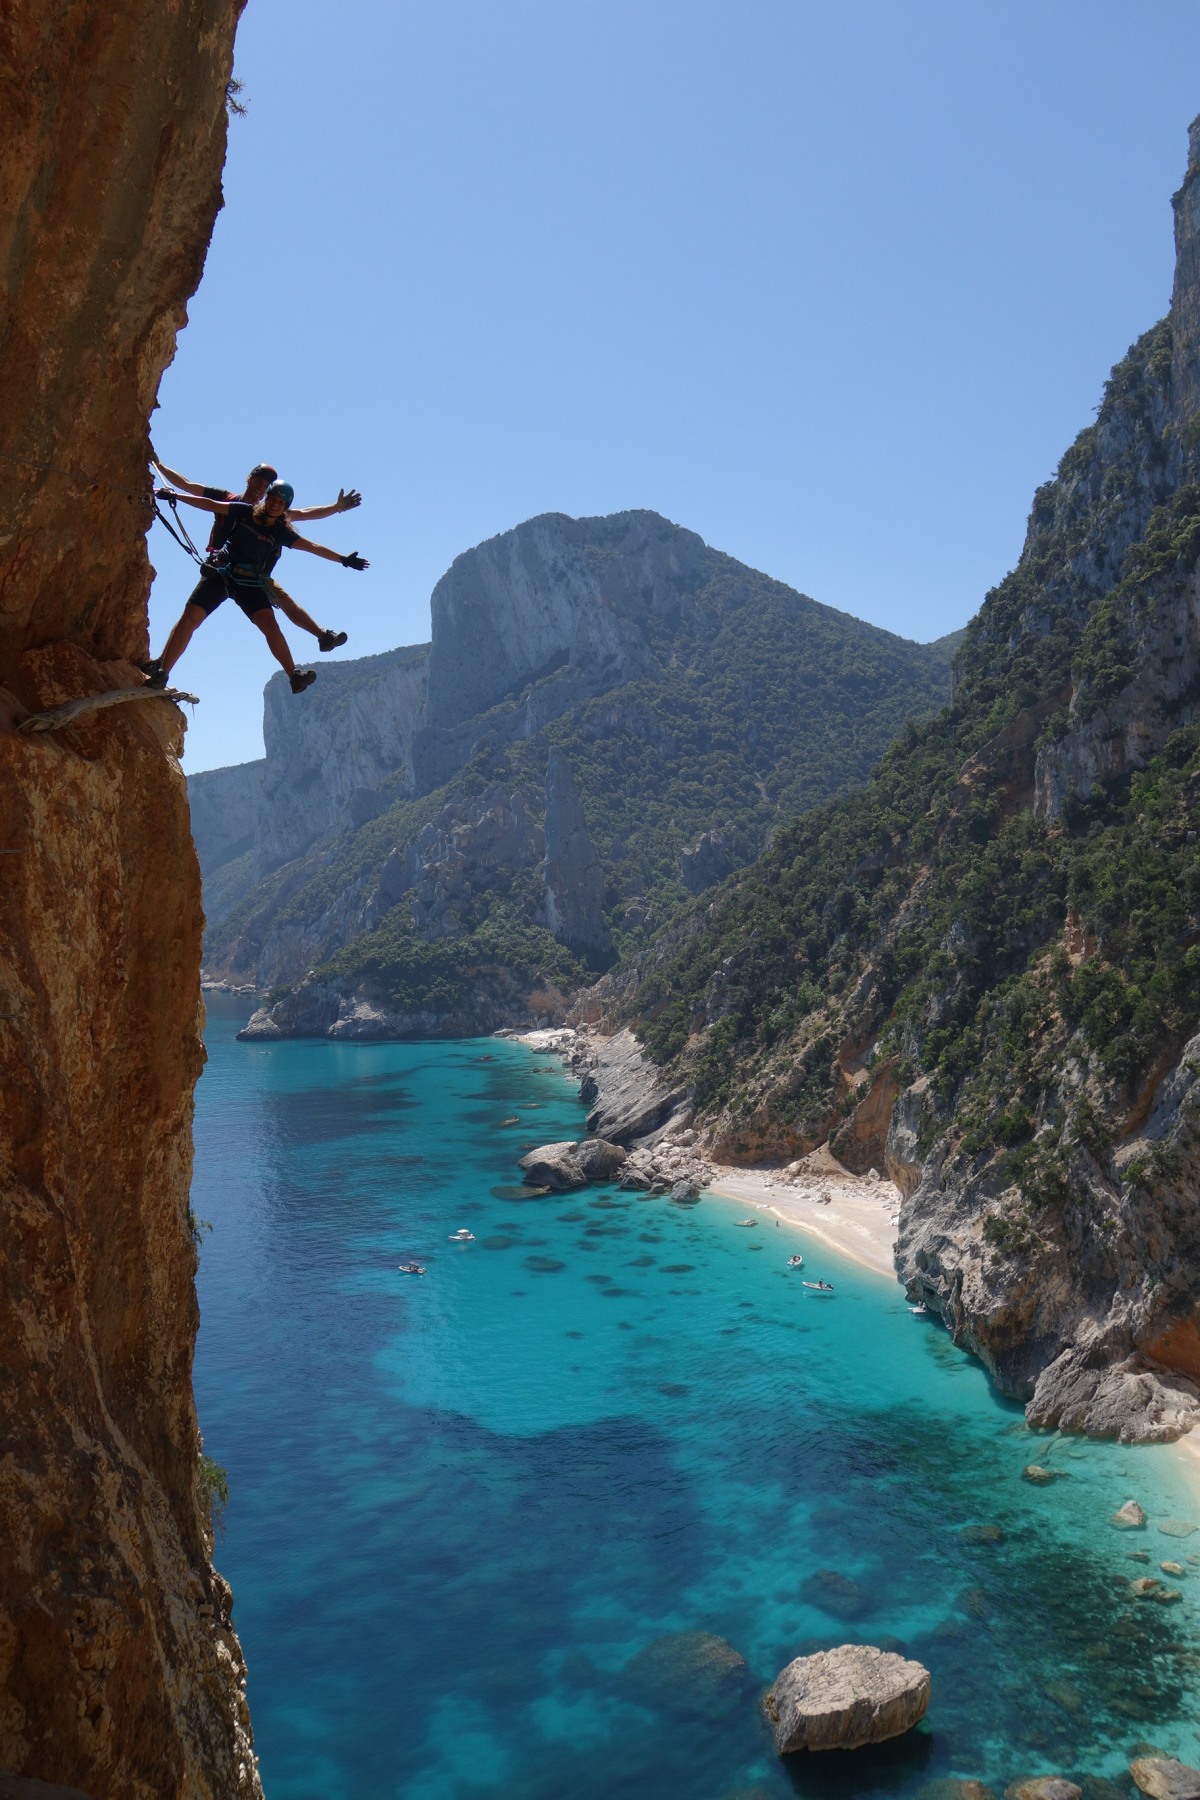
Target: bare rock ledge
(841,1699)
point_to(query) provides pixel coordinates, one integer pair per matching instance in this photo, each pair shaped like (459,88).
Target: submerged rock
(688,1671)
(1038,1475)
(837,1594)
(949,1787)
(1176,1528)
(844,1698)
(981,1534)
(1129,1517)
(1163,1778)
(1043,1787)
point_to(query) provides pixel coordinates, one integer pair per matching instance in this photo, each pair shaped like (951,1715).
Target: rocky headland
(120,1672)
(979,975)
(611,716)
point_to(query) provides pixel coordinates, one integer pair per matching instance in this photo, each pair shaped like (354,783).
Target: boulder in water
(689,1672)
(599,1159)
(842,1699)
(1038,1475)
(949,1787)
(553,1166)
(1162,1778)
(1129,1517)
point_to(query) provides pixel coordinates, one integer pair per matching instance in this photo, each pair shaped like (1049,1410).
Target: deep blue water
(462,1505)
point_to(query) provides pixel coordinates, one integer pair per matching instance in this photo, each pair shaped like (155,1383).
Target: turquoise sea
(470,1511)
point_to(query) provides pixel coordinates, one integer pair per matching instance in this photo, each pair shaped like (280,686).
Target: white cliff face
(330,749)
(555,591)
(224,806)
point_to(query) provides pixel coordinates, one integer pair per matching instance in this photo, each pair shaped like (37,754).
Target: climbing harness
(184,541)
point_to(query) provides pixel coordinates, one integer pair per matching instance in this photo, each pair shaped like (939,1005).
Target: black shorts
(212,588)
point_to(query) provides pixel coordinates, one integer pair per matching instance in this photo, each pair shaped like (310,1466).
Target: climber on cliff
(241,568)
(256,486)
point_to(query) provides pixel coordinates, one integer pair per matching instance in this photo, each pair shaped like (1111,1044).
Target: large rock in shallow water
(599,1160)
(1165,1779)
(841,1699)
(553,1166)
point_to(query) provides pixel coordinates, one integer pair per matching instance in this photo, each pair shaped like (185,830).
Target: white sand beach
(854,1216)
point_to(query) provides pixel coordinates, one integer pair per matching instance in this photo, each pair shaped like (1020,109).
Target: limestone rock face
(841,1699)
(572,871)
(540,598)
(634,1105)
(225,804)
(709,860)
(342,756)
(119,1669)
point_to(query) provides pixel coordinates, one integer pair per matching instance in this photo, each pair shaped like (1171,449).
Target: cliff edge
(120,1673)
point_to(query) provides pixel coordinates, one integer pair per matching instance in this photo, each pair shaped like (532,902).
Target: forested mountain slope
(611,716)
(983,969)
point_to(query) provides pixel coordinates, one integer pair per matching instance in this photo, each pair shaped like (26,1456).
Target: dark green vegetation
(941,922)
(760,705)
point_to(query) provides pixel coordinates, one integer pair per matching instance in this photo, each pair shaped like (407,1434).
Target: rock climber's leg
(326,640)
(204,599)
(268,624)
(290,610)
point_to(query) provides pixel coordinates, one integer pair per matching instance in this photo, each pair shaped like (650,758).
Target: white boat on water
(746,1223)
(795,1262)
(462,1236)
(818,1287)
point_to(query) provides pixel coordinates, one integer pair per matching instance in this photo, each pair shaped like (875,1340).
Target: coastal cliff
(981,974)
(539,787)
(120,1673)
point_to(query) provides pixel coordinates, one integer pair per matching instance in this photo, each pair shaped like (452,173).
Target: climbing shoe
(303,678)
(156,675)
(330,640)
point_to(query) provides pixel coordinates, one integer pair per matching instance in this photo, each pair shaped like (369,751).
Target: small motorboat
(795,1262)
(746,1223)
(917,1311)
(462,1236)
(410,1269)
(819,1287)
(515,1120)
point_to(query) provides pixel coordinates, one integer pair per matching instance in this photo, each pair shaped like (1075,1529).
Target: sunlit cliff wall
(119,1671)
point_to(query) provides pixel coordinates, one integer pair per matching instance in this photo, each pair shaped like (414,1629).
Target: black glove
(163,494)
(355,561)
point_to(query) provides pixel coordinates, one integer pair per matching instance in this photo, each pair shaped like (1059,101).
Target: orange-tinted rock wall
(119,1671)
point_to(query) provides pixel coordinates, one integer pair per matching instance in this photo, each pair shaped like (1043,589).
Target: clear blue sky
(832,285)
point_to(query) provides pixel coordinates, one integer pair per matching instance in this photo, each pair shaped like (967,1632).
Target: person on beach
(241,568)
(257,482)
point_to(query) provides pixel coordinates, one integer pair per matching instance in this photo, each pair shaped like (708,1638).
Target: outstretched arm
(213,506)
(346,501)
(353,561)
(175,478)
